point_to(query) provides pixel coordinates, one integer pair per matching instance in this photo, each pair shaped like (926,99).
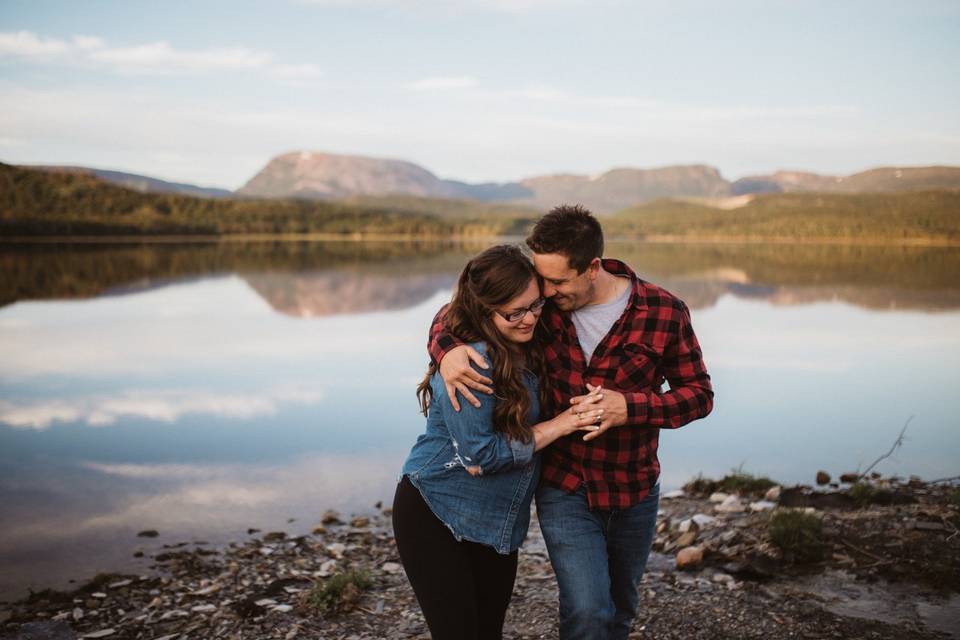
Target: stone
(730,504)
(728,536)
(670,495)
(719,496)
(762,505)
(849,478)
(360,522)
(687,539)
(703,520)
(391,567)
(45,630)
(823,478)
(773,494)
(686,525)
(336,549)
(148,533)
(689,558)
(319,530)
(103,633)
(275,536)
(330,517)
(204,608)
(282,608)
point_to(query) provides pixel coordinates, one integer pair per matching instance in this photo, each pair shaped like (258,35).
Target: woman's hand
(580,417)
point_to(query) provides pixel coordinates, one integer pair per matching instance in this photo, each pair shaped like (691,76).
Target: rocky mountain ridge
(309,175)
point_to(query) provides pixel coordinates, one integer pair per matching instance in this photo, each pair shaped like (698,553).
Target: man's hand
(614,406)
(458,375)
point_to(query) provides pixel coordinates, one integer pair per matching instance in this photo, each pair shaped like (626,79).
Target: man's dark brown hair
(571,230)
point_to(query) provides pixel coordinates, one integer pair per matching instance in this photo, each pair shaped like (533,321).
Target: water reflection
(203,389)
(308,279)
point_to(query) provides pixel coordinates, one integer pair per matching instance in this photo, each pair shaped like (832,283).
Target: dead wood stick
(863,551)
(896,443)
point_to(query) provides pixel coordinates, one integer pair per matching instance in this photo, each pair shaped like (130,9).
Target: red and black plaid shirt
(651,342)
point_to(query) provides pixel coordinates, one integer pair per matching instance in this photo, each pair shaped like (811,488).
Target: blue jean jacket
(494,507)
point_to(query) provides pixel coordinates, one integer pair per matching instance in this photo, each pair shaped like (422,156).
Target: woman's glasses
(518,314)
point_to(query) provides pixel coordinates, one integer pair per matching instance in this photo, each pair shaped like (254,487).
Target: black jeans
(463,587)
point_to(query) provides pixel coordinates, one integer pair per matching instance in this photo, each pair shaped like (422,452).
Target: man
(616,338)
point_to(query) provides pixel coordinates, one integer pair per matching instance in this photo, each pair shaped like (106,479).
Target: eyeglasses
(518,314)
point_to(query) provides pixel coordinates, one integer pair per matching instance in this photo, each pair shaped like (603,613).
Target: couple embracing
(561,364)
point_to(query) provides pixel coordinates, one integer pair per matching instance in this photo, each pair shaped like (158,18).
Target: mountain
(143,184)
(311,175)
(881,179)
(622,188)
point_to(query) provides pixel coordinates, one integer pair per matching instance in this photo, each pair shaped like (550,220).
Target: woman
(462,506)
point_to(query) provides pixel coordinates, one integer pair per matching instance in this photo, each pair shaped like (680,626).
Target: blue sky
(477,90)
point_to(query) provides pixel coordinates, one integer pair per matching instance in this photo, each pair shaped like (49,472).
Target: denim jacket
(492,508)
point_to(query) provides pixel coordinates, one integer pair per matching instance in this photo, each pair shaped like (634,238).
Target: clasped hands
(595,411)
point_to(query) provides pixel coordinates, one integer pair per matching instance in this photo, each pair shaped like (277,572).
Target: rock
(266,551)
(391,567)
(849,478)
(722,578)
(823,478)
(99,594)
(282,608)
(689,558)
(118,584)
(687,539)
(687,525)
(77,613)
(728,536)
(319,530)
(44,630)
(336,549)
(670,495)
(275,536)
(702,520)
(360,522)
(730,504)
(148,533)
(252,531)
(718,496)
(762,505)
(204,608)
(90,603)
(330,517)
(103,633)
(773,494)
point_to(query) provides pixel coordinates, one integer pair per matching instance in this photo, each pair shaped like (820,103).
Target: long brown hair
(492,278)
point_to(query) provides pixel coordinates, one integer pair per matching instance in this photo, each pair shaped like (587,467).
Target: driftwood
(896,444)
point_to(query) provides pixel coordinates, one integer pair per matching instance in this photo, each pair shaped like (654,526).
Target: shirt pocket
(637,367)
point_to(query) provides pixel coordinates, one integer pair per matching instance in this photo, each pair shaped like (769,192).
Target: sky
(480,90)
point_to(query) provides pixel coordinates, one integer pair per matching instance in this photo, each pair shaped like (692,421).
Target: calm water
(203,389)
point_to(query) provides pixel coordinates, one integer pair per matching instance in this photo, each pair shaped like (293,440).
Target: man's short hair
(570,230)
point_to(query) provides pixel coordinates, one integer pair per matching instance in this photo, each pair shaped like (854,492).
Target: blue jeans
(599,558)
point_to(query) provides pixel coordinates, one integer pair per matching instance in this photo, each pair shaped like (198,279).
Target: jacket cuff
(522,452)
(638,406)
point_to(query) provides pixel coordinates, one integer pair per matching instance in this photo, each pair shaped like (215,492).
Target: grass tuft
(337,594)
(798,534)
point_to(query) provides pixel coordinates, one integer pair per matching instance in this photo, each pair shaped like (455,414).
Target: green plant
(739,481)
(797,533)
(338,593)
(862,493)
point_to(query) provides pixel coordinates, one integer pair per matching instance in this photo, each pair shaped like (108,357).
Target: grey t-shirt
(594,321)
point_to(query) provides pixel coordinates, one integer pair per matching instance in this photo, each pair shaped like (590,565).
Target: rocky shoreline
(736,558)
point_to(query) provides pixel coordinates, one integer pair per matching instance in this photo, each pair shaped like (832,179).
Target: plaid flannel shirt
(651,342)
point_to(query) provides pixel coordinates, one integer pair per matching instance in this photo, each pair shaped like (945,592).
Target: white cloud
(150,58)
(154,404)
(29,45)
(444,82)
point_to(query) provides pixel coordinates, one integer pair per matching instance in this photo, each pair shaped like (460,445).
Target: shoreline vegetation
(38,206)
(741,557)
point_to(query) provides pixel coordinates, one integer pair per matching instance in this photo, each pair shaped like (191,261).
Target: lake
(201,389)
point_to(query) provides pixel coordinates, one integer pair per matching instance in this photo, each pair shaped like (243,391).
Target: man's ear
(593,269)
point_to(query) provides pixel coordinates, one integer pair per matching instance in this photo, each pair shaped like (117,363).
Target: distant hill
(34,202)
(879,180)
(143,184)
(620,188)
(312,175)
(325,176)
(895,217)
